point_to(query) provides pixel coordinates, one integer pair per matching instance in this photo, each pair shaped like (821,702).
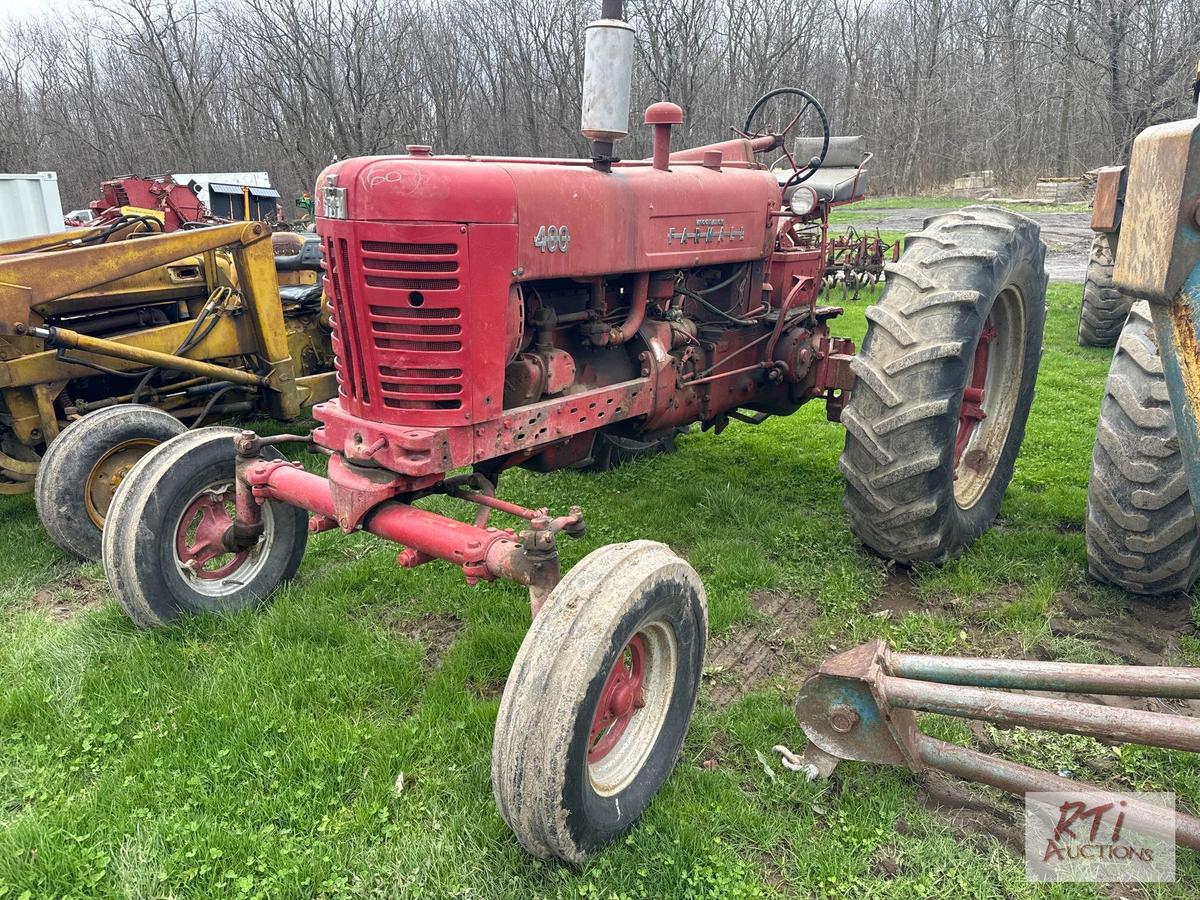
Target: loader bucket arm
(1160,240)
(30,279)
(1158,259)
(46,241)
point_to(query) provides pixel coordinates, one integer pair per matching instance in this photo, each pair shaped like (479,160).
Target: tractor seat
(835,180)
(295,252)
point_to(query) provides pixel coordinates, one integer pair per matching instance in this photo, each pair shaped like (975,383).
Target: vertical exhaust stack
(607,82)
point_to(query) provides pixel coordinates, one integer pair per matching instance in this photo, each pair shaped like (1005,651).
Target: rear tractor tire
(1104,308)
(943,386)
(84,466)
(1141,525)
(611,450)
(599,699)
(162,540)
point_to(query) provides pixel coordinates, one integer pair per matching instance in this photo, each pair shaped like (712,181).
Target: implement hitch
(861,705)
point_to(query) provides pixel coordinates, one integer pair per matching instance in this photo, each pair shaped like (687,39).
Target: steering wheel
(807,168)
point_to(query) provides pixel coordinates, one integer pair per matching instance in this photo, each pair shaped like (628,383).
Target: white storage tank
(29,205)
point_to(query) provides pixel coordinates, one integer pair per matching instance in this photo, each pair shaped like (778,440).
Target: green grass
(257,755)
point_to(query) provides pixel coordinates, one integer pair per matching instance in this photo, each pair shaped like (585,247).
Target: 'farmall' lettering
(707,231)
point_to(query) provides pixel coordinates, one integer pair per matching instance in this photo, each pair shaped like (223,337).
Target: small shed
(233,195)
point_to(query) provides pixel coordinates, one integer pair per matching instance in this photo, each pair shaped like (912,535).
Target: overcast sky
(17,8)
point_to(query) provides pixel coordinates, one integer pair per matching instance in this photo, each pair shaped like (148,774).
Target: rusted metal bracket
(833,378)
(1108,203)
(1160,237)
(862,704)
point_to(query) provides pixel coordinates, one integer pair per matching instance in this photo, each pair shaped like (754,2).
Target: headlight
(803,200)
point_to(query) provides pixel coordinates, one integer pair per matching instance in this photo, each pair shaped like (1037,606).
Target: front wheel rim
(633,708)
(989,398)
(108,473)
(200,555)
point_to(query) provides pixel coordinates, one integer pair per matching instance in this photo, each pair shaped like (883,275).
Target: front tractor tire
(84,466)
(943,385)
(599,699)
(162,546)
(1141,525)
(1103,309)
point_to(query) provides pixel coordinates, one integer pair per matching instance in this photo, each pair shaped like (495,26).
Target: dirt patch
(435,633)
(742,661)
(1129,632)
(970,812)
(1137,632)
(487,690)
(65,598)
(899,596)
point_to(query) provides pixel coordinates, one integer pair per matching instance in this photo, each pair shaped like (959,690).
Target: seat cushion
(843,152)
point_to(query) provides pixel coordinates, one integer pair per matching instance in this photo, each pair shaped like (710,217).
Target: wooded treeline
(940,87)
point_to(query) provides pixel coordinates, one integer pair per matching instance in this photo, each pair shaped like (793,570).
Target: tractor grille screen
(398,327)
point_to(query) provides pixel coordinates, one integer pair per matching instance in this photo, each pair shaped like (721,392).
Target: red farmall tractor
(493,312)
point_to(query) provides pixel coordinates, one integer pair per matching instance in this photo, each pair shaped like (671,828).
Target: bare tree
(1024,87)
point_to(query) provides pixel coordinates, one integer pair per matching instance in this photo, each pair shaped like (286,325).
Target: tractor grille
(398,327)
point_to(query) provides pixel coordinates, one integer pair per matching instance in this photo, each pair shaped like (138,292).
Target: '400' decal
(552,239)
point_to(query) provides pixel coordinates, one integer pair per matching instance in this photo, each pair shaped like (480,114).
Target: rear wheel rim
(200,556)
(989,399)
(633,708)
(106,476)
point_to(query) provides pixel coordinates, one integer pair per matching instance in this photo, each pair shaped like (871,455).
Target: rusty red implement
(860,706)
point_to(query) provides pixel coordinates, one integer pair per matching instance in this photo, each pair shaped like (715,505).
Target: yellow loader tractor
(114,339)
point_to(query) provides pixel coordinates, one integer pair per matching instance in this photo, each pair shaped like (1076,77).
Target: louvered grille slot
(420,373)
(416,328)
(411,249)
(353,330)
(338,338)
(421,404)
(412,284)
(409,265)
(407,312)
(419,346)
(397,387)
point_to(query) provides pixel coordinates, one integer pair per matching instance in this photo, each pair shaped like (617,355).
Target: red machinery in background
(491,312)
(177,204)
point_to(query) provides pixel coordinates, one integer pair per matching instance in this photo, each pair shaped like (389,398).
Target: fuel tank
(634,218)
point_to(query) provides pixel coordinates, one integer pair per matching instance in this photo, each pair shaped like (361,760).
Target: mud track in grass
(766,650)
